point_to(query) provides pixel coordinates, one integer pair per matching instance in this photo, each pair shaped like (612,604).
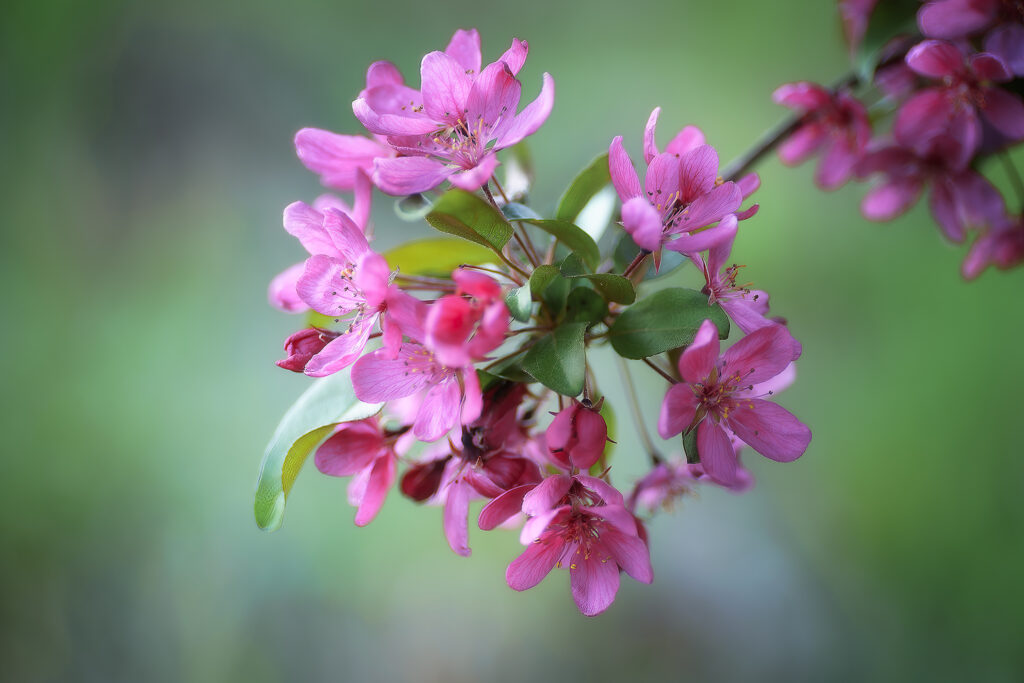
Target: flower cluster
(953,95)
(456,368)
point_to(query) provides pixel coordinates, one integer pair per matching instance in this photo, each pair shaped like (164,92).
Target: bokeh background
(146,160)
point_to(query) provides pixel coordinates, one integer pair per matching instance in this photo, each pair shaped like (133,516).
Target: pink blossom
(960,197)
(451,128)
(682,192)
(339,160)
(577,436)
(1007,43)
(360,449)
(302,346)
(722,392)
(952,107)
(855,15)
(834,124)
(1001,245)
(579,523)
(470,323)
(952,19)
(668,481)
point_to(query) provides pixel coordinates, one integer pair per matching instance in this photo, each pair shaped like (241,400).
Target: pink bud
(302,346)
(576,436)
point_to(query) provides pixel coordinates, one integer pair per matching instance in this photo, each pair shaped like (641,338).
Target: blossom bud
(302,346)
(421,481)
(577,435)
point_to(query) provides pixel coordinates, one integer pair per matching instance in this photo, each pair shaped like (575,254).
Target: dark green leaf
(519,212)
(436,256)
(588,183)
(520,303)
(690,446)
(666,319)
(466,215)
(585,306)
(558,360)
(611,286)
(574,238)
(413,208)
(541,278)
(328,402)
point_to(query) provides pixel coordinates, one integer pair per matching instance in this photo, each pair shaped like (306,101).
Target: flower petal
(650,146)
(474,178)
(630,553)
(445,87)
(717,456)
(377,378)
(802,143)
(677,411)
(336,158)
(955,18)
(1005,111)
(382,476)
(456,517)
(464,48)
(594,581)
(351,448)
(343,350)
(539,558)
(409,175)
(689,138)
(643,222)
(759,356)
(769,429)
(531,117)
(624,177)
(935,59)
(890,199)
(546,495)
(503,508)
(698,171)
(439,411)
(803,95)
(697,361)
(515,55)
(282,294)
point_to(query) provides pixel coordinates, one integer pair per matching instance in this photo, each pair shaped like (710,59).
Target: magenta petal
(749,184)
(988,67)
(1007,43)
(687,139)
(759,356)
(347,238)
(377,486)
(515,55)
(439,411)
(531,117)
(546,495)
(474,178)
(503,508)
(698,360)
(372,276)
(888,200)
(343,350)
(769,429)
(594,581)
(383,73)
(650,146)
(336,158)
(324,287)
(1005,111)
(630,553)
(493,99)
(409,175)
(377,378)
(282,293)
(643,222)
(945,210)
(624,177)
(445,87)
(804,142)
(677,411)
(717,456)
(803,95)
(691,243)
(662,181)
(698,172)
(608,493)
(456,517)
(472,398)
(307,224)
(464,48)
(935,59)
(709,208)
(536,562)
(836,165)
(955,18)
(351,449)
(746,313)
(922,117)
(408,312)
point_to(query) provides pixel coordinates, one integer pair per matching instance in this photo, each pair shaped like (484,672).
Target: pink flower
(360,449)
(451,127)
(720,393)
(1002,246)
(960,198)
(835,124)
(952,108)
(682,192)
(580,523)
(468,324)
(855,14)
(577,436)
(951,19)
(671,480)
(302,346)
(339,160)
(451,394)
(1007,43)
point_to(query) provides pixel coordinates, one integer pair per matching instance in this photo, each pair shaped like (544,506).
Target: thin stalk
(634,405)
(635,263)
(658,370)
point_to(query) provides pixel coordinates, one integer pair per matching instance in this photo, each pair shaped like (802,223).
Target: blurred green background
(146,160)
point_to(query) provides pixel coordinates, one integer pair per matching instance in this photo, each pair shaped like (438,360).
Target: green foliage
(466,215)
(558,360)
(690,446)
(328,402)
(626,250)
(436,256)
(572,237)
(519,212)
(612,287)
(413,208)
(584,305)
(520,303)
(667,319)
(582,189)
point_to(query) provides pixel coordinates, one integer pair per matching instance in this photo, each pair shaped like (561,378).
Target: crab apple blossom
(834,124)
(720,392)
(361,450)
(577,436)
(668,481)
(951,19)
(339,160)
(1001,245)
(453,126)
(470,323)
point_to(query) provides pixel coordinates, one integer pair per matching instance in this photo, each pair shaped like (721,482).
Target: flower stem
(634,406)
(658,370)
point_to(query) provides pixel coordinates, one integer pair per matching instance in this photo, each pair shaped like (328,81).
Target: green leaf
(585,306)
(519,212)
(558,360)
(588,183)
(574,238)
(413,207)
(328,402)
(436,256)
(888,20)
(690,446)
(520,303)
(667,319)
(541,278)
(466,215)
(626,250)
(611,286)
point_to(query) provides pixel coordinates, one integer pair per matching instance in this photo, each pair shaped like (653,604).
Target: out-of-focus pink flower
(451,128)
(468,324)
(668,481)
(359,449)
(580,523)
(682,192)
(721,392)
(339,159)
(1001,245)
(577,436)
(951,19)
(855,15)
(960,198)
(836,125)
(1007,43)
(952,107)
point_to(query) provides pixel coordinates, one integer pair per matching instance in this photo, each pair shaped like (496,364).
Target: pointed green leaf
(466,215)
(611,286)
(588,183)
(519,212)
(520,303)
(585,306)
(328,402)
(666,319)
(436,256)
(690,446)
(558,360)
(413,207)
(541,278)
(574,238)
